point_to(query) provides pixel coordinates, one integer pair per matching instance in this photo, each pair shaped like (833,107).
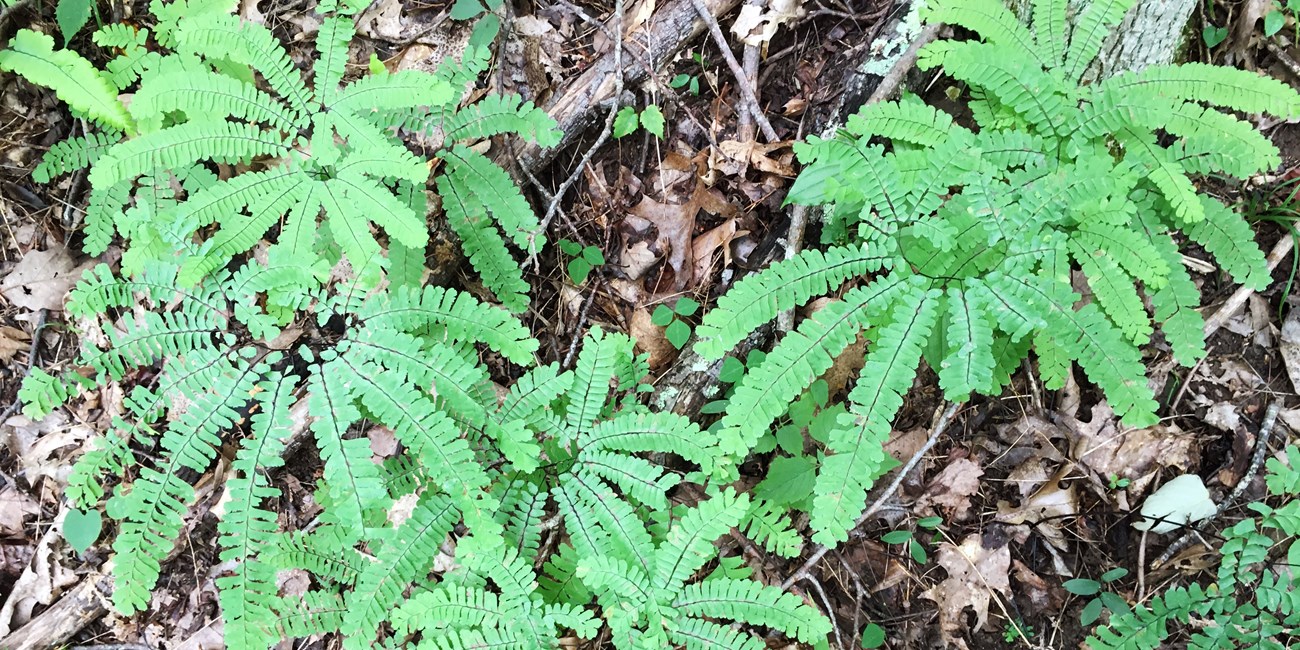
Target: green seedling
(671,319)
(1103,599)
(583,259)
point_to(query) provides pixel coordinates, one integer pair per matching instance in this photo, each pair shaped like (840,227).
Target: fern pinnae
(990,19)
(246,597)
(484,246)
(356,485)
(183,144)
(1090,31)
(406,555)
(508,208)
(1228,237)
(153,509)
(73,154)
(202,95)
(758,298)
(220,36)
(1114,290)
(794,363)
(73,78)
(858,441)
(968,364)
(332,45)
(754,603)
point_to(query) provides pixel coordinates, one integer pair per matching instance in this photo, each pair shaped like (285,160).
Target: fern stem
(945,419)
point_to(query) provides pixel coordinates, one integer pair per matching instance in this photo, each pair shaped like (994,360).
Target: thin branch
(748,99)
(945,419)
(1239,297)
(1256,460)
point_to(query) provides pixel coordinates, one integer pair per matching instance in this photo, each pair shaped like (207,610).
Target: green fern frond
(907,120)
(754,604)
(1049,23)
(1240,90)
(495,191)
(800,358)
(184,144)
(406,555)
(601,524)
(332,47)
(1114,290)
(968,364)
(352,480)
(152,511)
(73,154)
(497,114)
(758,298)
(1227,236)
(650,432)
(769,526)
(464,318)
(72,78)
(203,95)
(221,36)
(404,89)
(247,597)
(989,18)
(690,543)
(41,393)
(484,246)
(858,441)
(697,634)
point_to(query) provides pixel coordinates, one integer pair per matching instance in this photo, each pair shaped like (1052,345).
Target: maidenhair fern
(296,150)
(964,240)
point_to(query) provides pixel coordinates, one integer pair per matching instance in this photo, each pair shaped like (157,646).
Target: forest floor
(1048,479)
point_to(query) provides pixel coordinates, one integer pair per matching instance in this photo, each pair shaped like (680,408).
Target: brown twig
(945,419)
(748,98)
(1256,460)
(894,78)
(1239,297)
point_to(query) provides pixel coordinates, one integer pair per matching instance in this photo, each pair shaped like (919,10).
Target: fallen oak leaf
(974,573)
(42,279)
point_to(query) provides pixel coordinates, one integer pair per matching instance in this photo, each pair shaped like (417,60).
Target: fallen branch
(940,426)
(1256,460)
(750,100)
(1239,297)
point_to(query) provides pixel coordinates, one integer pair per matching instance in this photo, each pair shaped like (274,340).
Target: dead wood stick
(88,601)
(1239,297)
(1256,460)
(577,105)
(940,426)
(750,100)
(894,78)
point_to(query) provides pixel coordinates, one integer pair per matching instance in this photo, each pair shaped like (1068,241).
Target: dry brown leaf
(1101,446)
(974,573)
(14,506)
(757,25)
(40,582)
(42,279)
(711,241)
(675,224)
(12,340)
(1049,508)
(650,338)
(952,487)
(757,154)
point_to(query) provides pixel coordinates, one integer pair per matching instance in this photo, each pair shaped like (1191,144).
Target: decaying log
(582,102)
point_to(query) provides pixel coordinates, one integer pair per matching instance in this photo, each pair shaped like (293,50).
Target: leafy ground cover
(1014,530)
